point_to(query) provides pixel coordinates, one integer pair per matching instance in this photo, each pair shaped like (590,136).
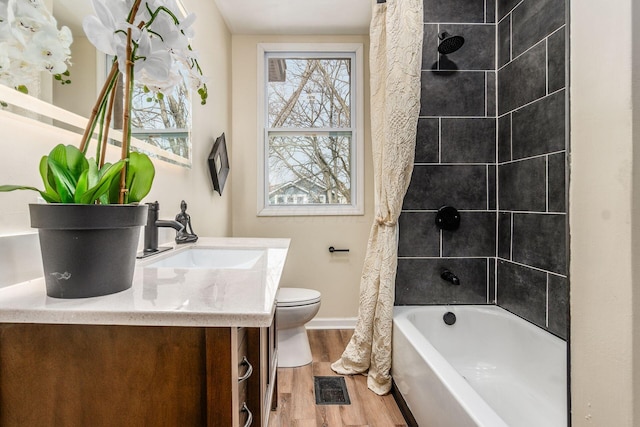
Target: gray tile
(539,128)
(557,187)
(491,94)
(478,51)
(454,11)
(490,11)
(522,80)
(556,60)
(523,291)
(468,140)
(491,186)
(433,186)
(539,240)
(427,141)
(491,285)
(522,185)
(447,93)
(418,235)
(418,281)
(476,236)
(505,6)
(430,46)
(504,41)
(558,305)
(504,235)
(533,20)
(504,138)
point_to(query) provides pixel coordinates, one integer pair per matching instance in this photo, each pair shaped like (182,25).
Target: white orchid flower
(31,42)
(153,57)
(170,33)
(104,29)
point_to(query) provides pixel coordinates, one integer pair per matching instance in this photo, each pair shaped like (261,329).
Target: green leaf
(65,182)
(140,176)
(6,188)
(70,158)
(47,179)
(81,187)
(160,96)
(23,89)
(108,175)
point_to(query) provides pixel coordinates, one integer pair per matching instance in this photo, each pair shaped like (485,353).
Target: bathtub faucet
(449,277)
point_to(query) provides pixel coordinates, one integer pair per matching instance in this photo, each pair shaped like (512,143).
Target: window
(311,138)
(161,124)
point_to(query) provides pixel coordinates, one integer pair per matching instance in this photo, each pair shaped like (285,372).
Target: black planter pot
(87,250)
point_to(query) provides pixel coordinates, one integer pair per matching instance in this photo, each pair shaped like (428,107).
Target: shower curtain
(395,61)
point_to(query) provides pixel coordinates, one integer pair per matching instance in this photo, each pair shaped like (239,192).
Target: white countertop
(167,296)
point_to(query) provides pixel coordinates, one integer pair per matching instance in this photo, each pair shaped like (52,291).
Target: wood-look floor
(296,399)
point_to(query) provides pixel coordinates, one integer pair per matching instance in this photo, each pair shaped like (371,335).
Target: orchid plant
(149,37)
(31,43)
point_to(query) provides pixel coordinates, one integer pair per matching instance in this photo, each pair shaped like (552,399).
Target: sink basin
(210,258)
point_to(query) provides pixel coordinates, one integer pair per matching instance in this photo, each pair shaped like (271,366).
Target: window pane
(169,112)
(310,169)
(309,93)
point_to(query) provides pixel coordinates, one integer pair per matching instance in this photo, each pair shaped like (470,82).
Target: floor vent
(331,391)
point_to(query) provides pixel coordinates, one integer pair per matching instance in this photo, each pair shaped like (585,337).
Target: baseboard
(332,323)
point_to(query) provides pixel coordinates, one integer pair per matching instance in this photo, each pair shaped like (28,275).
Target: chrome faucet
(151,230)
(449,277)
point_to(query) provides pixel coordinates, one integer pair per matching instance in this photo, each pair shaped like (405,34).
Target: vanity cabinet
(115,375)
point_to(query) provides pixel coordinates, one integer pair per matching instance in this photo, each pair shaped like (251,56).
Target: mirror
(158,134)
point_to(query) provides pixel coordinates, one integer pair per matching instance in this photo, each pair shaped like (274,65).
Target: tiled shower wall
(455,162)
(532,220)
(497,154)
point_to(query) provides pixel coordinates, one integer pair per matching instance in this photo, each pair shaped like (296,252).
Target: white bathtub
(489,369)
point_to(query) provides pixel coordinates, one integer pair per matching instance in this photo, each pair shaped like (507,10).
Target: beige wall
(80,96)
(309,263)
(604,209)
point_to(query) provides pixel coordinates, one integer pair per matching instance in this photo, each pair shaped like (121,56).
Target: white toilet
(294,308)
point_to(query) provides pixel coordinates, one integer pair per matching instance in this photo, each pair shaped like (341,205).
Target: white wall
(24,141)
(309,263)
(604,209)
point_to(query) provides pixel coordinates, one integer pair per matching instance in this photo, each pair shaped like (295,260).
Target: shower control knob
(448,218)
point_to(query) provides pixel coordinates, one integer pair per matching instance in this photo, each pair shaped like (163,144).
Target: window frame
(329,50)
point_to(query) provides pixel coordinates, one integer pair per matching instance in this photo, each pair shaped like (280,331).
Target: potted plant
(90,226)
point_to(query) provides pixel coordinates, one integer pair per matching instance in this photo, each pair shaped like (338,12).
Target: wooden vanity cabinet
(105,375)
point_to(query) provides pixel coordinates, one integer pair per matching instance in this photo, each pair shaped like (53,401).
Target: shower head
(449,43)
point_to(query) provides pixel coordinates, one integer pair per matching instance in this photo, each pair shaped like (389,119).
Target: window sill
(311,210)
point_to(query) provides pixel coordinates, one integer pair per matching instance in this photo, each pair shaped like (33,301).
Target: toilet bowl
(294,308)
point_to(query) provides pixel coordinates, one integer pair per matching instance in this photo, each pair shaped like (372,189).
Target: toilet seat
(293,297)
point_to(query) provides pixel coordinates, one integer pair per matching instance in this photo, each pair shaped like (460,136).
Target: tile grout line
(511,238)
(547,304)
(439,140)
(528,49)
(546,171)
(546,64)
(515,110)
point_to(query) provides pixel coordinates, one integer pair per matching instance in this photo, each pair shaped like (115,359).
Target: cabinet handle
(249,414)
(249,371)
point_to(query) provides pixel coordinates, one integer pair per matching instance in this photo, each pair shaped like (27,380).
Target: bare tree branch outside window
(163,121)
(310,131)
